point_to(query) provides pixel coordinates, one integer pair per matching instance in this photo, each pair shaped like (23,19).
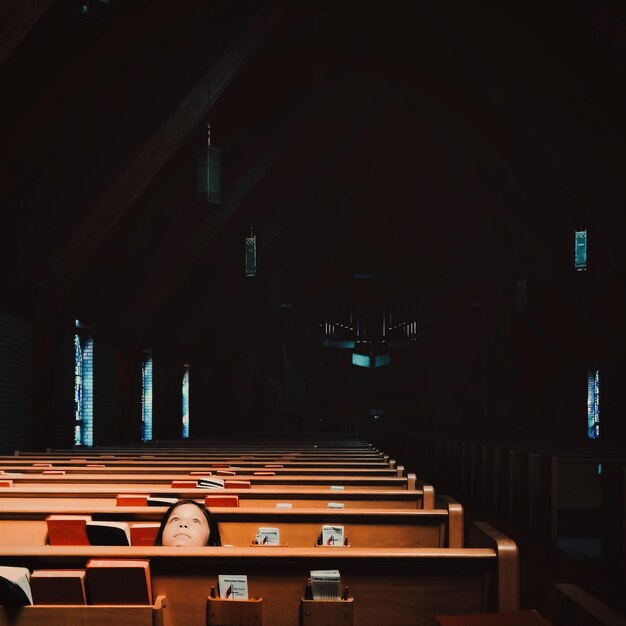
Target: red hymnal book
(221,501)
(183,484)
(58,586)
(67,530)
(221,472)
(6,483)
(226,465)
(236,484)
(118,581)
(200,473)
(131,500)
(53,472)
(144,533)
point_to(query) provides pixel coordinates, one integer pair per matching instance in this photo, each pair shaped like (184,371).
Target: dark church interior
(399,222)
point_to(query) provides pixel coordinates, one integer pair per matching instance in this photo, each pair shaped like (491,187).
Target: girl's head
(188,523)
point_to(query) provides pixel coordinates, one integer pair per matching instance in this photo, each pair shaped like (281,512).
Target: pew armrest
(483,535)
(410,481)
(428,500)
(455,520)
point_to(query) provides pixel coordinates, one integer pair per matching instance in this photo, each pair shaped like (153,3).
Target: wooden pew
(389,528)
(183,470)
(148,481)
(21,464)
(394,587)
(423,497)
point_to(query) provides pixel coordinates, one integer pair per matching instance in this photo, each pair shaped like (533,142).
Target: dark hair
(214,530)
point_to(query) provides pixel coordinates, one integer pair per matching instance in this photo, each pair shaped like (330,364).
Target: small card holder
(327,612)
(221,612)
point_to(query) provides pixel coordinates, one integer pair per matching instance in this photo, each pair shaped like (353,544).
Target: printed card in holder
(233,586)
(332,535)
(326,584)
(268,536)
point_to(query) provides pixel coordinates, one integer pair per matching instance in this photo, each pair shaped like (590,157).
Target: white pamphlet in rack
(326,584)
(268,536)
(233,586)
(332,535)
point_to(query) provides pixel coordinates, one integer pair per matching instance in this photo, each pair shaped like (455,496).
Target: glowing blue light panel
(365,360)
(146,398)
(339,343)
(593,404)
(580,250)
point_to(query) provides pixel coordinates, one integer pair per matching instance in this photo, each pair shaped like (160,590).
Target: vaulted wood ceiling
(452,147)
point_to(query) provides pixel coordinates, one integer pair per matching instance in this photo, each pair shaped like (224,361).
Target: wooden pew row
(185,469)
(253,452)
(423,497)
(170,461)
(288,443)
(394,587)
(147,481)
(543,490)
(390,528)
(91,453)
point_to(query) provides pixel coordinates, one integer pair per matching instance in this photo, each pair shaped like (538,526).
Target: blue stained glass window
(580,250)
(186,402)
(593,404)
(83,390)
(146,397)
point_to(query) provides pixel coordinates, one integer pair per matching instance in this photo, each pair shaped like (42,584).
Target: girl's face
(187,526)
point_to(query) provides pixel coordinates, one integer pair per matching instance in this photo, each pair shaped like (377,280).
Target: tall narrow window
(593,404)
(146,396)
(83,387)
(185,401)
(580,250)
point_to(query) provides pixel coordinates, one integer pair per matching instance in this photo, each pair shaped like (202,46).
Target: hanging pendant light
(250,254)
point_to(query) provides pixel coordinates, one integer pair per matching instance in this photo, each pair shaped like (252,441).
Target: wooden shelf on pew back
(88,615)
(221,612)
(327,612)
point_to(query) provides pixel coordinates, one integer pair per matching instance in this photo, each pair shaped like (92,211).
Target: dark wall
(106,404)
(15,382)
(61,403)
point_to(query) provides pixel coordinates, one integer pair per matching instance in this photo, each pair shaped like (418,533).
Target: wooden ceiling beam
(17,18)
(59,274)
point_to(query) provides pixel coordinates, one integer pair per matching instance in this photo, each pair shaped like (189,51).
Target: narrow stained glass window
(146,397)
(83,388)
(593,404)
(580,250)
(185,401)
